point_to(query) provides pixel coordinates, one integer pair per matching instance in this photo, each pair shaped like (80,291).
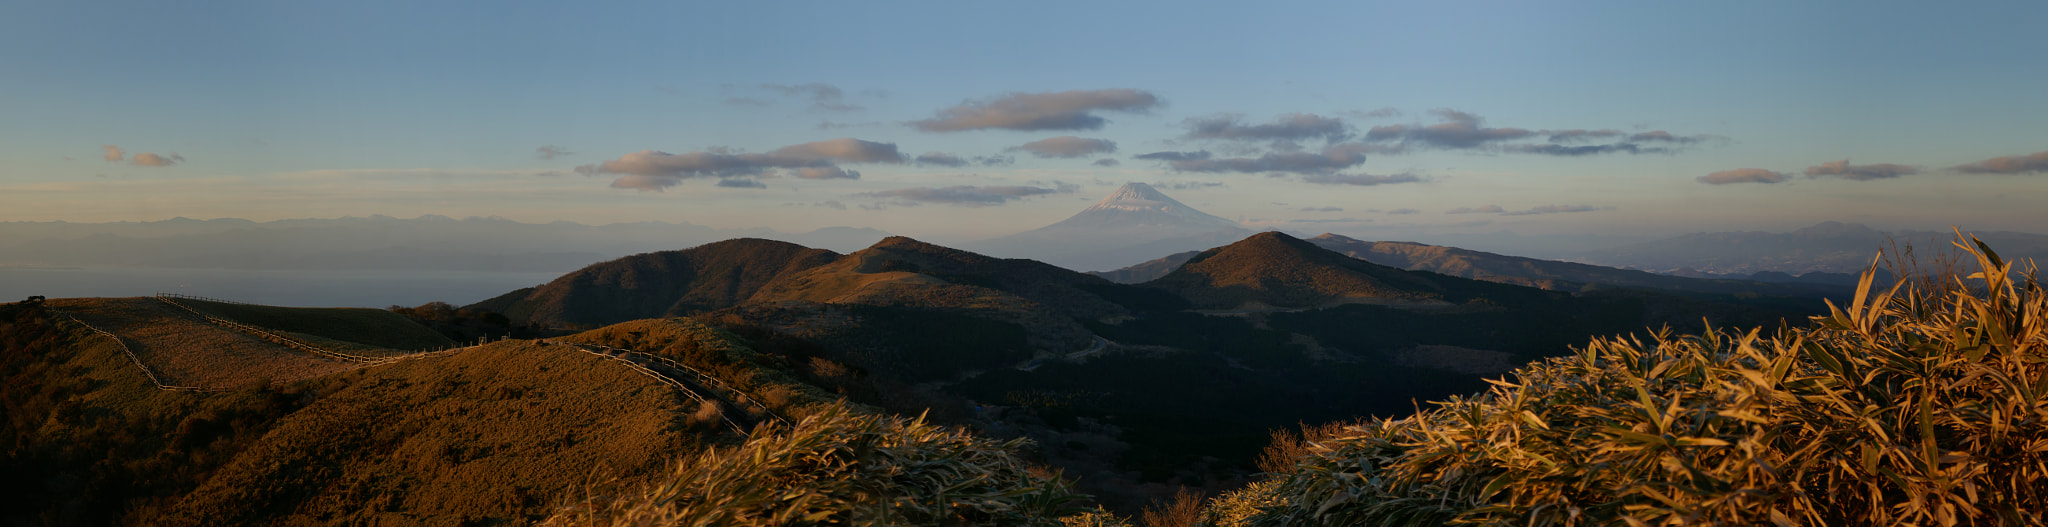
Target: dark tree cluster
(468,325)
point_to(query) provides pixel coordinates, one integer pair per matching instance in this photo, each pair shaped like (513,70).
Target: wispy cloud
(1289,127)
(2034,163)
(1553,149)
(1329,160)
(1322,209)
(964,195)
(1187,185)
(1174,156)
(949,160)
(1067,110)
(835,125)
(822,96)
(1486,209)
(1381,113)
(1744,175)
(1106,162)
(1067,146)
(551,152)
(941,159)
(1403,211)
(147,159)
(1362,180)
(1458,130)
(1555,209)
(654,170)
(741,183)
(1842,169)
(115,154)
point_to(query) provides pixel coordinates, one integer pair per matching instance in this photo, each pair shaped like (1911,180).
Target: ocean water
(294,288)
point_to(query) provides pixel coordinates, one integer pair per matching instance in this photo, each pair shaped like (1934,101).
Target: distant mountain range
(1530,272)
(376,242)
(1829,247)
(1133,224)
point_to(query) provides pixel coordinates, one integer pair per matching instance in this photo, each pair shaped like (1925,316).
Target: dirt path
(183,350)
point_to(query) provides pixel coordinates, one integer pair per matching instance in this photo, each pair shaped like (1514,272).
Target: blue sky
(288,109)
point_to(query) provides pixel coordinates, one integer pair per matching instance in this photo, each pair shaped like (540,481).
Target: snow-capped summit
(1139,205)
(1133,224)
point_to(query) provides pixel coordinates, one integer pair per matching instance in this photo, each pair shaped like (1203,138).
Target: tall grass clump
(1923,404)
(840,467)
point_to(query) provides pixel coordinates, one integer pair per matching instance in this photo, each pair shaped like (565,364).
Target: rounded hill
(708,277)
(1278,270)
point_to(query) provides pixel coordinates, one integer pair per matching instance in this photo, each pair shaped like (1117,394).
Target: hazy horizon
(952,123)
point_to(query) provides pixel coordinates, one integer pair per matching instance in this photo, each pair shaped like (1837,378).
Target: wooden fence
(151,374)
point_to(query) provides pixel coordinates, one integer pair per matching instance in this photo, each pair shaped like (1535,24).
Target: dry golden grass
(184,350)
(497,433)
(1923,405)
(841,467)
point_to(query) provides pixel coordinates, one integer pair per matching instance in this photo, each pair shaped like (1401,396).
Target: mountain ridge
(650,285)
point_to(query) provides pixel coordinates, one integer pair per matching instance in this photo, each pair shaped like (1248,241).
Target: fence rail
(158,380)
(168,298)
(702,378)
(208,299)
(621,356)
(146,372)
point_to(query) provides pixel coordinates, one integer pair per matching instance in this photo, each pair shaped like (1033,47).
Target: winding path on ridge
(181,350)
(184,350)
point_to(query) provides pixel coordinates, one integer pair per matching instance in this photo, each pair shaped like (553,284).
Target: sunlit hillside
(118,422)
(1918,405)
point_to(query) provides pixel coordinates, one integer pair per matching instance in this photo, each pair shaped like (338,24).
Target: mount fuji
(1134,224)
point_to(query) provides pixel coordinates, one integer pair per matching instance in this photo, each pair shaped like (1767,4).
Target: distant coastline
(290,288)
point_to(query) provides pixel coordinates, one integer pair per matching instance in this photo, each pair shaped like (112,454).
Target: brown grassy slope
(1283,271)
(89,440)
(707,277)
(185,350)
(372,328)
(499,433)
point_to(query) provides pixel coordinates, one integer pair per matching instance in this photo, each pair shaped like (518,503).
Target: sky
(967,120)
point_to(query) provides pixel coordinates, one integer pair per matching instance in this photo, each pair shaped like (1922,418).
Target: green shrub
(1918,405)
(841,467)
